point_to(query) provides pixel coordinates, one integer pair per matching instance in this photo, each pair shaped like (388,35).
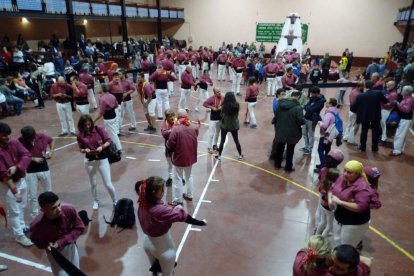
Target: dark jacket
(367,106)
(313,108)
(288,121)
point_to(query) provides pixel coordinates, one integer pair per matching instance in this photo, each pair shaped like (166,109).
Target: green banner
(271,32)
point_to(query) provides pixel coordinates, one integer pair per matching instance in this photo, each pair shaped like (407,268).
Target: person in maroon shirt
(221,64)
(93,142)
(252,92)
(168,65)
(145,66)
(160,78)
(128,89)
(166,128)
(14,160)
(183,143)
(238,65)
(57,226)
(205,81)
(116,88)
(38,171)
(352,126)
(107,110)
(87,79)
(62,93)
(289,80)
(80,94)
(187,81)
(148,99)
(215,104)
(156,219)
(271,70)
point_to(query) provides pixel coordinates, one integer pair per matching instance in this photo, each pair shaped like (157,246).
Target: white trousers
(120,112)
(384,116)
(213,133)
(130,112)
(326,222)
(251,117)
(179,174)
(146,77)
(64,111)
(170,167)
(92,98)
(92,167)
(15,210)
(181,69)
(221,70)
(184,98)
(32,180)
(163,249)
(202,96)
(348,234)
(195,70)
(236,82)
(163,101)
(231,74)
(111,126)
(399,138)
(170,86)
(278,83)
(271,86)
(82,109)
(70,252)
(351,128)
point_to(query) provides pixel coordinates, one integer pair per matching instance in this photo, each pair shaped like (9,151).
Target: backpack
(124,214)
(338,127)
(112,152)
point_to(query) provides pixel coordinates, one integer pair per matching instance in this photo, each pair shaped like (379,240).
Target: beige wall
(364,26)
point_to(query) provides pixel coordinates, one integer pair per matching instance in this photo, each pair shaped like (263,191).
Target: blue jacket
(313,108)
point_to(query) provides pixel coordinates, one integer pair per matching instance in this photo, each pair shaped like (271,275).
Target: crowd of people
(346,198)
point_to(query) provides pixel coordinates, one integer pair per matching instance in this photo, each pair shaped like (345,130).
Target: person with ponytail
(352,198)
(313,259)
(156,219)
(166,128)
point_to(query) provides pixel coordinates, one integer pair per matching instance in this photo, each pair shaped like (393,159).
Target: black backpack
(124,214)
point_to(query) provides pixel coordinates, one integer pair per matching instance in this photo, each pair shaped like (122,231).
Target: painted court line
(25,262)
(130,157)
(187,230)
(195,229)
(206,201)
(154,160)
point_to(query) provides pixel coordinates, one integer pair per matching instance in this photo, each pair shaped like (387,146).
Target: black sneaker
(168,183)
(132,128)
(63,134)
(148,128)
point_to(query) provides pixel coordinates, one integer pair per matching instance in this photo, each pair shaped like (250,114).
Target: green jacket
(288,121)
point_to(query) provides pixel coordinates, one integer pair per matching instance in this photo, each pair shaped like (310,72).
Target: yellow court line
(373,229)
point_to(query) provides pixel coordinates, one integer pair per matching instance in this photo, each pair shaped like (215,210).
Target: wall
(42,29)
(366,27)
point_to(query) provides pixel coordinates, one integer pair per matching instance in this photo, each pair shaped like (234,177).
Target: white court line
(200,141)
(187,230)
(65,146)
(412,132)
(154,160)
(25,262)
(201,155)
(206,201)
(195,229)
(215,180)
(130,157)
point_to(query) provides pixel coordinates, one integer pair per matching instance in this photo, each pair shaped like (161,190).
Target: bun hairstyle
(146,190)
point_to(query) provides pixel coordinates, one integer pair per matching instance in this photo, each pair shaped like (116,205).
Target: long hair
(230,106)
(82,122)
(152,185)
(317,250)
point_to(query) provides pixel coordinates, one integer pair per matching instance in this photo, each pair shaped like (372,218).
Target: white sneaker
(95,205)
(196,109)
(24,241)
(115,202)
(3,268)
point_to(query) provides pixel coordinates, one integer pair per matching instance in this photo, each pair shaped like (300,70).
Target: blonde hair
(321,247)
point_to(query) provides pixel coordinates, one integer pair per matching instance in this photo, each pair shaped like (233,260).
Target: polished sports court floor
(258,217)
